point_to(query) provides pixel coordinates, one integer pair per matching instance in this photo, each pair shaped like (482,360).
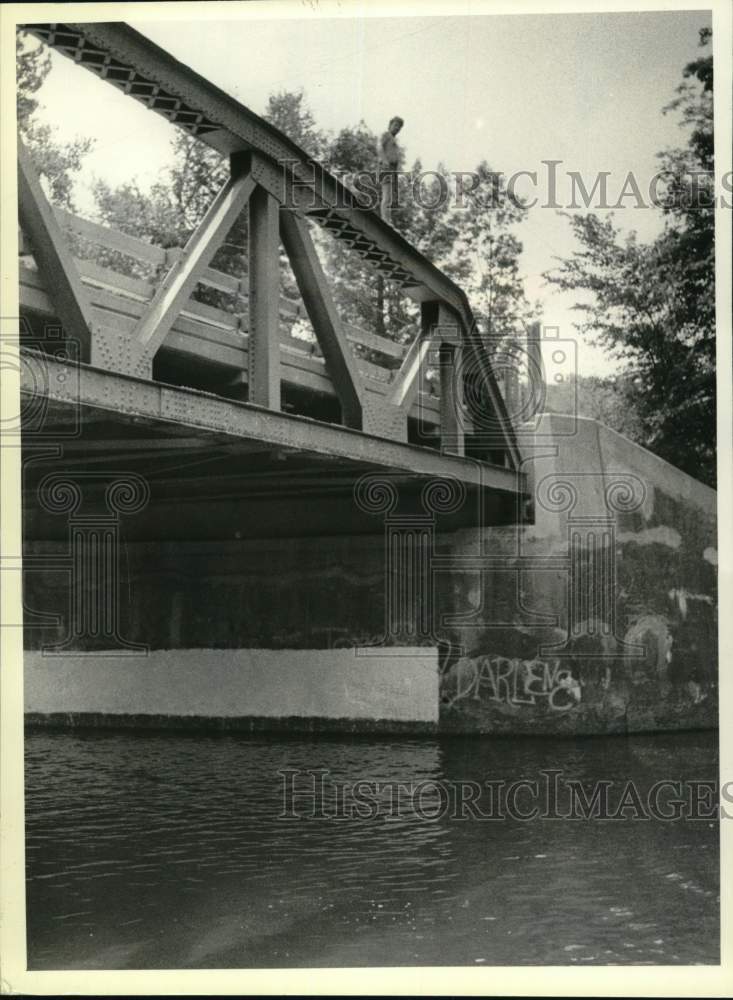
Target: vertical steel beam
(316,295)
(451,391)
(451,416)
(264,296)
(53,256)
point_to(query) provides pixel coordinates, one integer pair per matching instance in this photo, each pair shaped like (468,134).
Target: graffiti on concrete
(511,682)
(681,596)
(674,653)
(652,633)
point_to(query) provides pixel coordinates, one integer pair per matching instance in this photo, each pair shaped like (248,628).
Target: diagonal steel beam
(452,421)
(182,278)
(52,255)
(406,382)
(439,329)
(316,295)
(450,355)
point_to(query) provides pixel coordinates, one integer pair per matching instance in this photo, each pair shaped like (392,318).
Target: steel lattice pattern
(126,78)
(342,230)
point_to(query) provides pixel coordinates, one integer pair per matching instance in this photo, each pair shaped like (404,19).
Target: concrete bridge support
(598,617)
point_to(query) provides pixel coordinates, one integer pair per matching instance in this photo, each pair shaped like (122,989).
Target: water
(170,851)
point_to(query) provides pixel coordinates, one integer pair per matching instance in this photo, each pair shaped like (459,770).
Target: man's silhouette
(388,159)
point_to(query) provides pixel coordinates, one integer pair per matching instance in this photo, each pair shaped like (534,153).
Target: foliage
(467,234)
(32,66)
(652,305)
(288,111)
(609,400)
(55,162)
(169,212)
(484,257)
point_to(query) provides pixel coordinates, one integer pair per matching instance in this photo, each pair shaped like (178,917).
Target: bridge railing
(121,273)
(152,261)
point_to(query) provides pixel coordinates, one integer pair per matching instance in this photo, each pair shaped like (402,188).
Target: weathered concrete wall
(627,640)
(597,617)
(292,593)
(325,684)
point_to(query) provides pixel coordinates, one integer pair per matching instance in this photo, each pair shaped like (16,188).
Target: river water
(190,851)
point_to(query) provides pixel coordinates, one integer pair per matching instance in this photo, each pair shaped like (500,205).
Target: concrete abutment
(597,618)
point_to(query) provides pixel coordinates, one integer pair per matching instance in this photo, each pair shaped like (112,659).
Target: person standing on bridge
(389,156)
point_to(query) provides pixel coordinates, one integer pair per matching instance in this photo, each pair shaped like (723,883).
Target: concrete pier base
(237,688)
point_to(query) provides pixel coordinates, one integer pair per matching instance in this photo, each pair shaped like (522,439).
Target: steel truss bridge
(136,371)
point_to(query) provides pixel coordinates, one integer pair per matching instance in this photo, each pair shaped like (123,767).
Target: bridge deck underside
(217,466)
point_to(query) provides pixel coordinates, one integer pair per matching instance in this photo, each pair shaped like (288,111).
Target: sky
(515,90)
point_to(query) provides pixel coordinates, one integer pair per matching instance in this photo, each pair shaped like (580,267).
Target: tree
(609,400)
(32,66)
(652,305)
(55,162)
(170,211)
(467,234)
(427,215)
(288,111)
(484,258)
